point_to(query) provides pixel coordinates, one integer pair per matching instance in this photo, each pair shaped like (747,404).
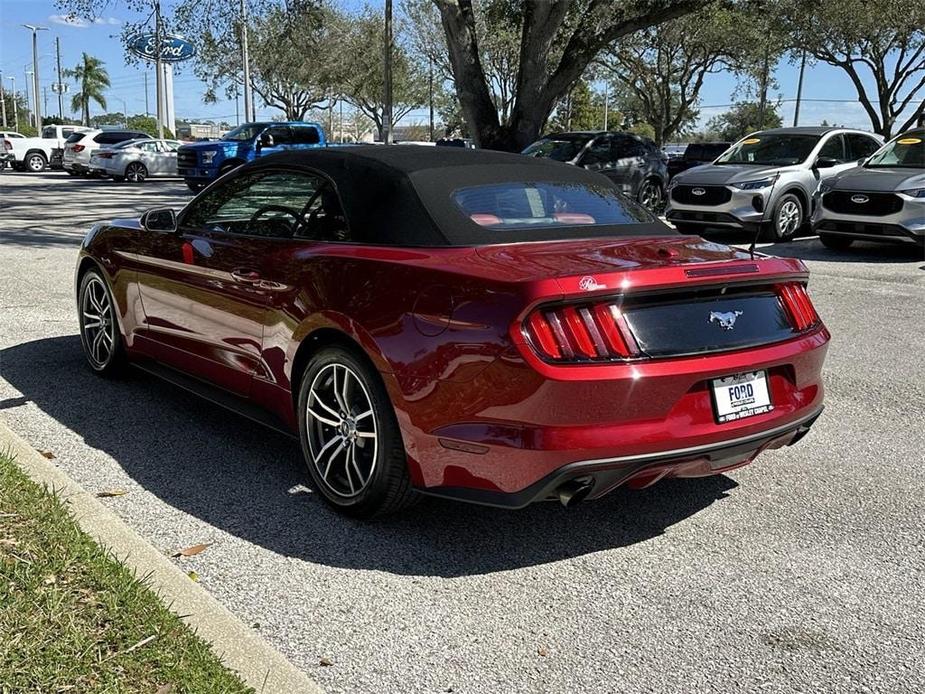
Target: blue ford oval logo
(698,191)
(859,199)
(174,49)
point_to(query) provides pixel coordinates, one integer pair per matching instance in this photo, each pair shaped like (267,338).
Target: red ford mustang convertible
(472,325)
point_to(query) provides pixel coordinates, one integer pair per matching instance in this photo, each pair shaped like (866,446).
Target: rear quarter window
(305,135)
(75,137)
(533,205)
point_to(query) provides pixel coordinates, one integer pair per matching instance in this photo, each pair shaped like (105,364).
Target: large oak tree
(559,39)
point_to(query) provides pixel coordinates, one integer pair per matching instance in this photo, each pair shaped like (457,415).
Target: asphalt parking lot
(802,573)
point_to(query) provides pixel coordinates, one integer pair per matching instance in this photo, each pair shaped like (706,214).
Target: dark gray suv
(634,163)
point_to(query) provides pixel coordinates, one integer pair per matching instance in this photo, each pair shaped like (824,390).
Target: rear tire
(350,437)
(652,196)
(835,243)
(100,335)
(36,162)
(136,172)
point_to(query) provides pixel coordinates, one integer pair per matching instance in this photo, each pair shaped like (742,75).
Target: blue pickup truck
(201,163)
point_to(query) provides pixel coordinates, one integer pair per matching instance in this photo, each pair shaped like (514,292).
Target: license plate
(740,396)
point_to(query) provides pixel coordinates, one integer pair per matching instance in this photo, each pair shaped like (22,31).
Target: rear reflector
(799,307)
(590,332)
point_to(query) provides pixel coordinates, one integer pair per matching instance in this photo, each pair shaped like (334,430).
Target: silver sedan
(136,160)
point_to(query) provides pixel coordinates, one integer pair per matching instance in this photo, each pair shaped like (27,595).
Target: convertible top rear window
(531,205)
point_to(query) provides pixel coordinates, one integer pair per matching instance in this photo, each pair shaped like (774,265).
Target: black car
(634,163)
(695,154)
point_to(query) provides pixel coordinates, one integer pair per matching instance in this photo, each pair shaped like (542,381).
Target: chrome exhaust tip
(575,491)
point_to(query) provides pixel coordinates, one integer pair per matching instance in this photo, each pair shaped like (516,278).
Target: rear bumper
(640,471)
(520,428)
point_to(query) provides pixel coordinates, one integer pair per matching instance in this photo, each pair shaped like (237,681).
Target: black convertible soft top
(403,194)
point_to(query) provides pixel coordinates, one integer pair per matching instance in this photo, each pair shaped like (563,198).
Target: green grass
(74,619)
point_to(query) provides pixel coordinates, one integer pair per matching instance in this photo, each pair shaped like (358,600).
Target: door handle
(245,276)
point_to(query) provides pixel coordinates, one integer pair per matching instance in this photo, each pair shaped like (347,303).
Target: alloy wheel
(789,218)
(343,435)
(651,196)
(135,173)
(97,323)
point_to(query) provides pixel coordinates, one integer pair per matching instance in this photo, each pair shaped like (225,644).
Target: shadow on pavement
(809,247)
(247,480)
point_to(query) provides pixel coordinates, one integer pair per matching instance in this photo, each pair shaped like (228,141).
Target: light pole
(35,73)
(387,77)
(30,106)
(2,100)
(15,105)
(249,115)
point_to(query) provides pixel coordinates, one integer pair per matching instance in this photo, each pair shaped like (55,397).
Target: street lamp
(15,105)
(35,73)
(30,74)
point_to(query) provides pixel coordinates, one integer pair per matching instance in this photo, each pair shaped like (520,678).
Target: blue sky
(102,40)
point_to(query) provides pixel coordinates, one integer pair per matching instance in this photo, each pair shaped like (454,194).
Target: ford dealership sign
(174,49)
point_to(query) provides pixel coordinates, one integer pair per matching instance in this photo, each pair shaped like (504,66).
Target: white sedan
(136,160)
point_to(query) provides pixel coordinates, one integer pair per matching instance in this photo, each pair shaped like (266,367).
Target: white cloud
(81,23)
(69,20)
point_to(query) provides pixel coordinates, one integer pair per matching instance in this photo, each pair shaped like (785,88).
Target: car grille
(712,195)
(876,204)
(690,216)
(186,159)
(864,228)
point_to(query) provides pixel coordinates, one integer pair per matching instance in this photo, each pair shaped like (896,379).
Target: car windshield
(244,132)
(530,205)
(776,149)
(906,151)
(558,148)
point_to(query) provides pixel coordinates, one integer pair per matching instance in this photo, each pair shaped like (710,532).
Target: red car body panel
(478,408)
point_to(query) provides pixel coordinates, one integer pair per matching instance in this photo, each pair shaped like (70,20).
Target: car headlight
(914,192)
(673,182)
(208,156)
(755,185)
(825,187)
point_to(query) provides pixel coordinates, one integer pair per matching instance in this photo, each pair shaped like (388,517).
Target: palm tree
(92,79)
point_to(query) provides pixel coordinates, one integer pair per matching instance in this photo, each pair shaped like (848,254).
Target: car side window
(861,146)
(833,149)
(273,204)
(598,154)
(148,146)
(281,134)
(626,147)
(305,135)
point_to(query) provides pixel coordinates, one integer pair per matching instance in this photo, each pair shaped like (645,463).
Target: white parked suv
(79,146)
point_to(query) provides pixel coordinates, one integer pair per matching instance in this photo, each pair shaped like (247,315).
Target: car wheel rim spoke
(343,455)
(97,326)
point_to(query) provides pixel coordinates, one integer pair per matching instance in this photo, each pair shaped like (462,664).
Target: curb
(255,661)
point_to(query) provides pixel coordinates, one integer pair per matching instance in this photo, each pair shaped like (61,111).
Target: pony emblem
(726,319)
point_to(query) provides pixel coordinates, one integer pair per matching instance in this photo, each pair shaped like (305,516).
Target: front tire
(350,437)
(100,336)
(836,243)
(651,196)
(786,219)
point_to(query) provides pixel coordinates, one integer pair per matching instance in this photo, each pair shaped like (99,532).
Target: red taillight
(77,148)
(104,155)
(580,333)
(7,145)
(799,307)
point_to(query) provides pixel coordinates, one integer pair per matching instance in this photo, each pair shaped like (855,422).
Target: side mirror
(162,219)
(266,140)
(826,162)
